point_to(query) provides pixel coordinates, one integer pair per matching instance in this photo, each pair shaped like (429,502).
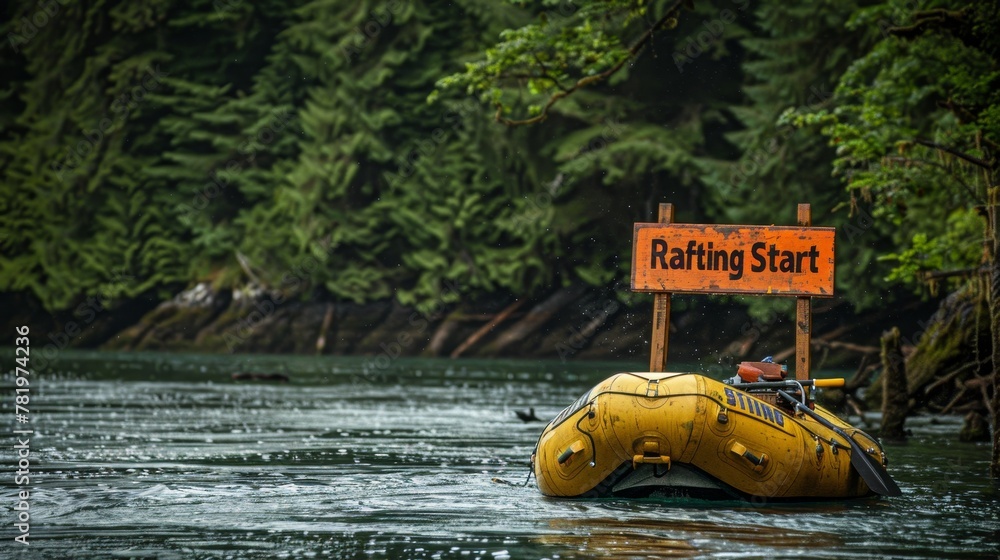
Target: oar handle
(790,384)
(835,382)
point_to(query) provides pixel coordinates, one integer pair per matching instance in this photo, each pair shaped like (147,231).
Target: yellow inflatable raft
(684,434)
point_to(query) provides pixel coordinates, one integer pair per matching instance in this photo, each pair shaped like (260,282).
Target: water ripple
(327,466)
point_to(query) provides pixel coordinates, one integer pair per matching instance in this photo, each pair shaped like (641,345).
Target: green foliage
(100,92)
(304,158)
(291,145)
(614,146)
(960,244)
(792,63)
(915,130)
(571,44)
(397,197)
(548,56)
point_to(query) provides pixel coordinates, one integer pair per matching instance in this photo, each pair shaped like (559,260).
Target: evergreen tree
(627,121)
(108,91)
(793,60)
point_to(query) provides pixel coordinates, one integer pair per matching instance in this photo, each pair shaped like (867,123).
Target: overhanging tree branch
(956,176)
(964,272)
(546,74)
(961,155)
(929,19)
(633,51)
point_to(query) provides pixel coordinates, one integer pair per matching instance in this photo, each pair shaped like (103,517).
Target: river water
(165,456)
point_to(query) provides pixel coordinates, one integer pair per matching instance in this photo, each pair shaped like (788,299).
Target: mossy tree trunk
(895,397)
(994,233)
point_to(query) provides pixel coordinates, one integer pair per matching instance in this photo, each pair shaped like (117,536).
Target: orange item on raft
(752,372)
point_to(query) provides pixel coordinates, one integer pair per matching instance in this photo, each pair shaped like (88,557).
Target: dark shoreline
(571,323)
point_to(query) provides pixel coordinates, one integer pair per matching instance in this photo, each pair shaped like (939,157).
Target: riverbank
(566,324)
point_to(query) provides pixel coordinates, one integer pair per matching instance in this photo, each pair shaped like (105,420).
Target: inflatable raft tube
(684,434)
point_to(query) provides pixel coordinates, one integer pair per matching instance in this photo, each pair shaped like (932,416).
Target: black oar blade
(872,473)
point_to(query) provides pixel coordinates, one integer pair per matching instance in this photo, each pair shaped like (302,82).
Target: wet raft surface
(349,462)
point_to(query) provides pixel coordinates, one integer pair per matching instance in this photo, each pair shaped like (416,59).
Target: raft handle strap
(759,462)
(651,455)
(651,460)
(573,449)
(593,446)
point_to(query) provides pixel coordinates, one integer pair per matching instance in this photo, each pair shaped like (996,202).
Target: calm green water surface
(165,456)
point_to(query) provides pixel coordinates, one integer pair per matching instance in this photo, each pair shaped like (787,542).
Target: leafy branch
(668,20)
(959,154)
(546,55)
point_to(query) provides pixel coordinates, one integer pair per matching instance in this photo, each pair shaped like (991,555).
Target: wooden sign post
(731,259)
(803,311)
(661,311)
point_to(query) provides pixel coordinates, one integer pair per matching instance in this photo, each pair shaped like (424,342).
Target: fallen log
(535,318)
(441,334)
(980,382)
(954,401)
(831,336)
(948,377)
(862,376)
(849,346)
(482,331)
(790,351)
(321,338)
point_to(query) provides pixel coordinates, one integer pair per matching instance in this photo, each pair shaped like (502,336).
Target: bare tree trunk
(895,397)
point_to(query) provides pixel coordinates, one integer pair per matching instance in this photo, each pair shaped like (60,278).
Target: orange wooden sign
(728,259)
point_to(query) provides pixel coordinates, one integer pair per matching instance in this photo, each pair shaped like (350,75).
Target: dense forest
(470,156)
(150,145)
